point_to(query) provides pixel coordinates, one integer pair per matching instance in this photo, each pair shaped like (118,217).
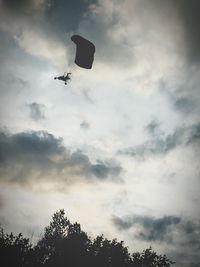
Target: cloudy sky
(117,148)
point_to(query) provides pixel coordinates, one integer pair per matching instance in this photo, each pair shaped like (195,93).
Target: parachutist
(66,77)
(84,56)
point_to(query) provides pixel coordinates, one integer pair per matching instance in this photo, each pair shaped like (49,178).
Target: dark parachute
(84,52)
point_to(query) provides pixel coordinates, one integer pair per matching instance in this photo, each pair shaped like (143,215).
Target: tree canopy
(65,244)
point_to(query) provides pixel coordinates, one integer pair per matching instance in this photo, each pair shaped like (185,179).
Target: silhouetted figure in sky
(84,52)
(66,77)
(84,56)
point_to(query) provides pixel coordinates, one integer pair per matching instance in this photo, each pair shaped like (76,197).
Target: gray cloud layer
(48,21)
(181,98)
(29,156)
(56,18)
(189,14)
(184,104)
(153,229)
(160,145)
(65,16)
(181,236)
(37,111)
(169,229)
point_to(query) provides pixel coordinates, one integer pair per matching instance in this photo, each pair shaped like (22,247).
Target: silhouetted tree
(14,250)
(149,258)
(109,253)
(65,245)
(53,236)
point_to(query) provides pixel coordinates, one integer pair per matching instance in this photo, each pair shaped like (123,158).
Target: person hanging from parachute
(66,77)
(84,56)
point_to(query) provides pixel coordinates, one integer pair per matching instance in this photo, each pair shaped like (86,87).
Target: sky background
(117,148)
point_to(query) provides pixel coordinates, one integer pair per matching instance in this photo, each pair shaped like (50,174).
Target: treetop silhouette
(65,244)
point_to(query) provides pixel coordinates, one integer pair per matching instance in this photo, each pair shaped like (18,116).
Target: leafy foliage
(65,244)
(15,250)
(149,258)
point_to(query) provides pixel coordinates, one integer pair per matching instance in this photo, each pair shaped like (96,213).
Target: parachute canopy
(84,52)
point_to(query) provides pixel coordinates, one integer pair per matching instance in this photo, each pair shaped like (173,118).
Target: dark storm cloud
(122,224)
(41,155)
(17,5)
(85,125)
(189,13)
(26,10)
(161,145)
(104,169)
(30,147)
(164,229)
(153,229)
(195,134)
(101,169)
(36,111)
(49,21)
(62,16)
(195,264)
(153,127)
(184,104)
(65,16)
(54,17)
